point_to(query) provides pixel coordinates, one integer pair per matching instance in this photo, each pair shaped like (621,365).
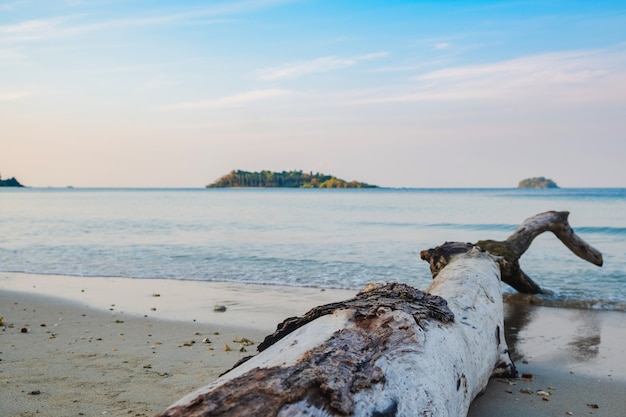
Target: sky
(154,93)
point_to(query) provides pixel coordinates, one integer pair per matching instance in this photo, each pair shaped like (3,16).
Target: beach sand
(126,347)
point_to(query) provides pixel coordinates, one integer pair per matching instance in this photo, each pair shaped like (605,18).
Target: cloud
(69,26)
(238,7)
(11,54)
(157,82)
(318,65)
(298,69)
(13,95)
(371,56)
(37,29)
(29,26)
(6,7)
(77,24)
(232,100)
(552,76)
(517,75)
(545,68)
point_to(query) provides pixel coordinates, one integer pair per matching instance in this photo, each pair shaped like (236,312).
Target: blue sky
(147,93)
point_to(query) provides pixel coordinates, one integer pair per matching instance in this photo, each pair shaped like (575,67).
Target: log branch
(515,245)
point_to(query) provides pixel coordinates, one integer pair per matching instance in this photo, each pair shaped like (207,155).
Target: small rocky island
(11,182)
(537,182)
(285,179)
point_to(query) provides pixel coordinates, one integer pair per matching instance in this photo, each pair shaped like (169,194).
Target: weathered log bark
(390,351)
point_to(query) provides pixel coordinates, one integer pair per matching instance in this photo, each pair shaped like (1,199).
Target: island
(285,179)
(11,182)
(537,182)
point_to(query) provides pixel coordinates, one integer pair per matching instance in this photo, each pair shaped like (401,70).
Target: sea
(337,238)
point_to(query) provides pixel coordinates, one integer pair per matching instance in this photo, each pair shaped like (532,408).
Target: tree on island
(537,182)
(285,179)
(11,182)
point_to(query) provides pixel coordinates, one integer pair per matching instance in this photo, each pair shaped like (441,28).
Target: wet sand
(123,347)
(571,362)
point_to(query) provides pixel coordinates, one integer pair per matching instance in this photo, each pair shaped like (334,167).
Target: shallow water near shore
(307,238)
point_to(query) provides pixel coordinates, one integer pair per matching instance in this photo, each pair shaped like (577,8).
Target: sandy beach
(125,347)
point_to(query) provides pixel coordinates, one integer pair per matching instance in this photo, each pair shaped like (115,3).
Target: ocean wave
(602,230)
(448,226)
(474,226)
(500,227)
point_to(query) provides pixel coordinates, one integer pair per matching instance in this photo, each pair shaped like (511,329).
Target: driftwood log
(392,350)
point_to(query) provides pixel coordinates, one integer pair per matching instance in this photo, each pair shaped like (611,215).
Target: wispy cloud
(517,75)
(232,100)
(11,54)
(550,75)
(77,24)
(545,68)
(38,29)
(69,26)
(13,95)
(158,81)
(412,68)
(30,26)
(237,7)
(7,6)
(318,65)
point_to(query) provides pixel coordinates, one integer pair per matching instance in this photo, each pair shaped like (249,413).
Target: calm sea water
(322,238)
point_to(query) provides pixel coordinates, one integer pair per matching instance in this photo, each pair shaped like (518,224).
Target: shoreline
(247,305)
(95,346)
